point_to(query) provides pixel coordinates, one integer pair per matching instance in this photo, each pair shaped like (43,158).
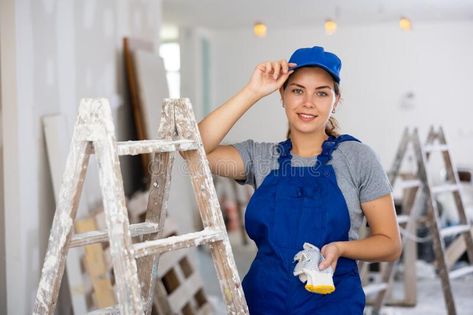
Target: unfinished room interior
(236,157)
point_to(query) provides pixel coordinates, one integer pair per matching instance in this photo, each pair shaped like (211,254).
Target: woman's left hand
(331,253)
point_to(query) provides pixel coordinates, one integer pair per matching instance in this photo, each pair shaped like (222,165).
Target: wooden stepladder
(436,142)
(378,290)
(135,265)
(420,185)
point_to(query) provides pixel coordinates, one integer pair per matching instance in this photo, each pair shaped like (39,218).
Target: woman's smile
(306,117)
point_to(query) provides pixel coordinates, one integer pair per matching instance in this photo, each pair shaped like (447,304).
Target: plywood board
(152,88)
(147,85)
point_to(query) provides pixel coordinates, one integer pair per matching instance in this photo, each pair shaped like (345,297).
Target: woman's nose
(308,101)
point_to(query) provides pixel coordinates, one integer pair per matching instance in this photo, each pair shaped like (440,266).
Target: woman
(315,187)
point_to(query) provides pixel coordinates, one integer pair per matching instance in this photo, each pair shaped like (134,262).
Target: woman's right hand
(269,77)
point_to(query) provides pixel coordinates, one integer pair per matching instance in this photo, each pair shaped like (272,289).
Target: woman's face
(309,99)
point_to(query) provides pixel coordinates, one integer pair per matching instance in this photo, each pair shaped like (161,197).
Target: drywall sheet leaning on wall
(152,88)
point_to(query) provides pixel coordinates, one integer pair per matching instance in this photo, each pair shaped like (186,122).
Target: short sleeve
(373,182)
(258,159)
(247,153)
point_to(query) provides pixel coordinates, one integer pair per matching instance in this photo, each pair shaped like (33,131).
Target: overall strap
(284,150)
(328,146)
(331,145)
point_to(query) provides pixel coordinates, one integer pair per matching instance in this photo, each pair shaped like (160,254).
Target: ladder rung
(111,310)
(411,183)
(402,219)
(435,148)
(375,287)
(93,237)
(150,146)
(208,235)
(460,272)
(454,230)
(444,188)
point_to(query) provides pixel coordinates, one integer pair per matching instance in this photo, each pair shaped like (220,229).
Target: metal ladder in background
(135,265)
(413,185)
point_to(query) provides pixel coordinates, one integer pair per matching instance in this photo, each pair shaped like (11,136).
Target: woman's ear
(335,105)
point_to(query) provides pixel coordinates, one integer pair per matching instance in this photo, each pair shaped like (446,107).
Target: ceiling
(225,14)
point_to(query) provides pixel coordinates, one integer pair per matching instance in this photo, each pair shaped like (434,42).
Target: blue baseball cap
(317,57)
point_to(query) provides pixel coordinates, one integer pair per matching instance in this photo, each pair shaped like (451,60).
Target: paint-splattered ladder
(419,187)
(135,265)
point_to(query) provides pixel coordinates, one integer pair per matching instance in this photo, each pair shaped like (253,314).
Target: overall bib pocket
(313,224)
(286,216)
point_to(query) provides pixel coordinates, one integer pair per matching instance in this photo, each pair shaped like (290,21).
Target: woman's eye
(297,91)
(322,94)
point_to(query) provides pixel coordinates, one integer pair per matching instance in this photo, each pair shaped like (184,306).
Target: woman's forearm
(267,78)
(218,123)
(373,248)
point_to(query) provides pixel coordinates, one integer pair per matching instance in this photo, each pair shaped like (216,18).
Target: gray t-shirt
(359,173)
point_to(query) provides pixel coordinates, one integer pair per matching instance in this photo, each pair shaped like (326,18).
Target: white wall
(191,41)
(56,52)
(8,102)
(381,64)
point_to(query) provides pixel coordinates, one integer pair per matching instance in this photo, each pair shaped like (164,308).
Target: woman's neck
(307,145)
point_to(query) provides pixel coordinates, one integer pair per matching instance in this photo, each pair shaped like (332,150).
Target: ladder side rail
(433,216)
(209,208)
(160,169)
(430,140)
(396,166)
(100,124)
(60,235)
(453,175)
(408,246)
(411,204)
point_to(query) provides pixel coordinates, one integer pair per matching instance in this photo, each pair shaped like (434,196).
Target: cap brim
(334,76)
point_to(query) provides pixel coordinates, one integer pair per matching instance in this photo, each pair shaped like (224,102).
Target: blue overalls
(294,205)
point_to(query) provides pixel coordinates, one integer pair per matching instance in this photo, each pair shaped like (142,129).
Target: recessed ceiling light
(330,26)
(260,29)
(405,24)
